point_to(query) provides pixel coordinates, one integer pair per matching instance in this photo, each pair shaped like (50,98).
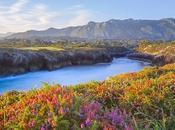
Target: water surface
(71,75)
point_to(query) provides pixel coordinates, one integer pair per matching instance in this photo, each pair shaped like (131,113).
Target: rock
(19,61)
(141,56)
(155,59)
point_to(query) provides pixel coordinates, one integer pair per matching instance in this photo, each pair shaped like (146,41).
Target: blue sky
(22,15)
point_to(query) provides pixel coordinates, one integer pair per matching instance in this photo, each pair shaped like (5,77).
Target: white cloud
(17,7)
(20,17)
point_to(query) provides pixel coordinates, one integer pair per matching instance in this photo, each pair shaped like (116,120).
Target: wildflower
(81,116)
(42,128)
(82,126)
(50,114)
(49,120)
(61,111)
(33,123)
(128,128)
(53,123)
(115,117)
(88,122)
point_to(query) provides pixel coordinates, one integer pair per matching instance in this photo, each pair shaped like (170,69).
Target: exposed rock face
(141,56)
(155,59)
(18,61)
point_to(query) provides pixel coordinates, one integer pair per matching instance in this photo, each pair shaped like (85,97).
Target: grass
(49,48)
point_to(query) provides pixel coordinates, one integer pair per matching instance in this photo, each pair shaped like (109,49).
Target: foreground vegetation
(142,100)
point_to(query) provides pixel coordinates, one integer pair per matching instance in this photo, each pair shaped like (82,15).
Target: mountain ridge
(127,29)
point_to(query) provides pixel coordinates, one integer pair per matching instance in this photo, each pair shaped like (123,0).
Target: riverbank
(23,59)
(17,61)
(71,75)
(158,53)
(158,60)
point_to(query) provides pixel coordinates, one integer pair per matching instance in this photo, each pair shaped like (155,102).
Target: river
(71,75)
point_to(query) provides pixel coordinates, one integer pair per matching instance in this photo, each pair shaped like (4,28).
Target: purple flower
(115,117)
(81,116)
(94,106)
(128,128)
(90,110)
(88,122)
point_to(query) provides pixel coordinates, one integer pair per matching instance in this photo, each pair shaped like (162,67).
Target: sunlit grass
(157,48)
(49,48)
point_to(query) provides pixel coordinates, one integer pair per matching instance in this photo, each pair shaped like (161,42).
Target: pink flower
(42,128)
(82,126)
(33,123)
(49,120)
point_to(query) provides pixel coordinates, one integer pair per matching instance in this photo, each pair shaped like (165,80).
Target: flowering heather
(144,100)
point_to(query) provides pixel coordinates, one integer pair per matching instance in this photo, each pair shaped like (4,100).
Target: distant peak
(129,19)
(30,30)
(91,23)
(51,28)
(168,19)
(112,20)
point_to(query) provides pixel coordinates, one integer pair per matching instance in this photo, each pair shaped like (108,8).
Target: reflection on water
(71,75)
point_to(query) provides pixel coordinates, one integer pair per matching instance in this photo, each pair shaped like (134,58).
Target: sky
(22,15)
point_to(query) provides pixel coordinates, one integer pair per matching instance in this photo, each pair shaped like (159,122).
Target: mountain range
(127,29)
(2,35)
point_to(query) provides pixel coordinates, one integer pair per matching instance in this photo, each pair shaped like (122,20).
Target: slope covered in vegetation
(157,48)
(158,52)
(142,100)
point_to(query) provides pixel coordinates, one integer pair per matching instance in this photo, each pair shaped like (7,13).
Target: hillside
(157,48)
(158,52)
(3,35)
(142,100)
(127,29)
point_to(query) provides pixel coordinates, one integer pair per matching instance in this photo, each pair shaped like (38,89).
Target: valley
(113,75)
